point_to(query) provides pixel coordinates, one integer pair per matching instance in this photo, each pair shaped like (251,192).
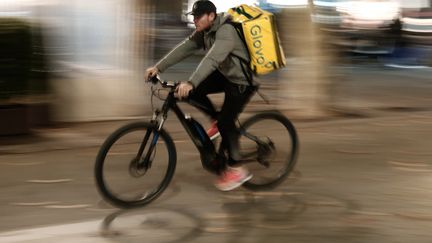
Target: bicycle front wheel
(135,165)
(271,142)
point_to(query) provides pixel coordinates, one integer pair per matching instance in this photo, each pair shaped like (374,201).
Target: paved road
(357,179)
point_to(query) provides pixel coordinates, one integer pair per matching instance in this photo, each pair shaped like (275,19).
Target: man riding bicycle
(221,70)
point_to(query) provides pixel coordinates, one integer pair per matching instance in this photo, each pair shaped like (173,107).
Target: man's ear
(212,16)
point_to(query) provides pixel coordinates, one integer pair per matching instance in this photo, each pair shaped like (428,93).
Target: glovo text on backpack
(257,28)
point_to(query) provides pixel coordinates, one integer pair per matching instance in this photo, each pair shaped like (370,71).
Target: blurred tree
(23,76)
(15,57)
(15,64)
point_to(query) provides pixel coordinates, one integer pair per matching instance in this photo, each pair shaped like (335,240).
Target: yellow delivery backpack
(258,30)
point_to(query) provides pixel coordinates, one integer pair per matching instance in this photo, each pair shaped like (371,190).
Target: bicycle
(136,148)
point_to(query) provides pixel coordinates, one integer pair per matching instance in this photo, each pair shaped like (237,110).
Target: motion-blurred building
(98,49)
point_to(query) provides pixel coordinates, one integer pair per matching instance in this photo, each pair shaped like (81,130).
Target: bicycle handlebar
(166,84)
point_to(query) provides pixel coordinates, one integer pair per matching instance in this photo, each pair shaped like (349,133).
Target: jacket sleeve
(181,51)
(222,47)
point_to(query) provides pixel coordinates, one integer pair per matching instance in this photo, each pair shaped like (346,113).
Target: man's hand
(183,89)
(151,72)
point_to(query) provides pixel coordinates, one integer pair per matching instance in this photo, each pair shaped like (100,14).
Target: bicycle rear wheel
(135,165)
(270,141)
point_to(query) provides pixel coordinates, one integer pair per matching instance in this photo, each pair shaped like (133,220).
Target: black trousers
(236,97)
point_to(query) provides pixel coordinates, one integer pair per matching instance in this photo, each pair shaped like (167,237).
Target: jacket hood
(221,18)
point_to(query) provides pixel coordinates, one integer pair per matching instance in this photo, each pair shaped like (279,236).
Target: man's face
(203,21)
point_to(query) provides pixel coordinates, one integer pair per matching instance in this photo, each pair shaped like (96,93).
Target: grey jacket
(223,46)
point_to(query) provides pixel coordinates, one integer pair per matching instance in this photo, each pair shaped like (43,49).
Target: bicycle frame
(211,160)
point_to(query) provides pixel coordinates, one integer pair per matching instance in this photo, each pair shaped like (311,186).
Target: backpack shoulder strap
(247,71)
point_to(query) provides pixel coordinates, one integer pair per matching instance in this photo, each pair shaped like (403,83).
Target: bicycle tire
(290,159)
(103,185)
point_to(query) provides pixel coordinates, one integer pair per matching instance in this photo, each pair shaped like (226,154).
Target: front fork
(143,159)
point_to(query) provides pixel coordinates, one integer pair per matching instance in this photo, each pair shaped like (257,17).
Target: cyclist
(221,70)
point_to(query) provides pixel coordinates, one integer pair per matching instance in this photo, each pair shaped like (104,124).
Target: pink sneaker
(213,131)
(232,178)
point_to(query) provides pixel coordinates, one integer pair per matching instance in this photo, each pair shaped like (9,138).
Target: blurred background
(71,72)
(84,60)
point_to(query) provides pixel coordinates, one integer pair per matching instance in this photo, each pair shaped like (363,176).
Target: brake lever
(164,83)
